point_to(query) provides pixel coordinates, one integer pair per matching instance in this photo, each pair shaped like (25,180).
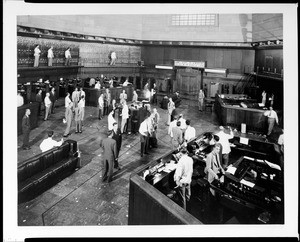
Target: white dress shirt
(125,112)
(67,101)
(50,53)
(101,102)
(182,123)
(20,100)
(171,126)
(189,133)
(271,114)
(184,170)
(97,86)
(47,101)
(49,143)
(111,120)
(224,141)
(67,54)
(144,129)
(37,51)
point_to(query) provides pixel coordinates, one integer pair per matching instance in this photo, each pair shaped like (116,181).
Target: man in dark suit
(52,99)
(26,129)
(109,146)
(117,136)
(39,99)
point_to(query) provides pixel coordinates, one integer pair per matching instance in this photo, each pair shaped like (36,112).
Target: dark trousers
(107,169)
(100,116)
(52,106)
(39,108)
(116,162)
(225,160)
(26,139)
(106,110)
(144,144)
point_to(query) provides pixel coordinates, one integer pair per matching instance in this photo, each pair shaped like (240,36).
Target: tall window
(194,19)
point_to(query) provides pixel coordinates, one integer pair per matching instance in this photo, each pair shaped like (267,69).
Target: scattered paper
(272,165)
(231,169)
(247,183)
(244,140)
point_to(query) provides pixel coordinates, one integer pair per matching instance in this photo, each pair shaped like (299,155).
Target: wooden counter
(233,115)
(33,116)
(92,94)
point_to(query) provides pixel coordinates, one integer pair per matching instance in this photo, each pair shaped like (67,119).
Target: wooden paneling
(233,59)
(269,58)
(148,206)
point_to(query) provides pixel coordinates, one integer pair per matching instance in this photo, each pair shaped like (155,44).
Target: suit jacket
(52,97)
(177,134)
(117,136)
(212,166)
(25,124)
(39,98)
(109,146)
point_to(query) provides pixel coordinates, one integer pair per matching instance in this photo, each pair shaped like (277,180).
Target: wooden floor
(82,198)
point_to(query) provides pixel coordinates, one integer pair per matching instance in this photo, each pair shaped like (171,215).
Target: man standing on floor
(47,102)
(75,97)
(144,136)
(81,106)
(171,107)
(117,136)
(100,106)
(50,56)
(201,97)
(109,146)
(125,116)
(39,99)
(177,139)
(26,129)
(37,53)
(224,141)
(190,132)
(67,102)
(272,117)
(183,178)
(52,99)
(69,114)
(68,57)
(77,117)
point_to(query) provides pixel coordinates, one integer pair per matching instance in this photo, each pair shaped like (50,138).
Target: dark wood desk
(231,114)
(33,116)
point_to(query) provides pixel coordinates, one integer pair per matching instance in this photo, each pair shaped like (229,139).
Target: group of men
(50,56)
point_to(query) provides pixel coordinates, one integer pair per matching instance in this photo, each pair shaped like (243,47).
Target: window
(194,19)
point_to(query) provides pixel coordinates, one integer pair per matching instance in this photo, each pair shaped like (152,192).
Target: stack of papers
(169,167)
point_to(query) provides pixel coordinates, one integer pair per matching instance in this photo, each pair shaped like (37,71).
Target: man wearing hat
(183,177)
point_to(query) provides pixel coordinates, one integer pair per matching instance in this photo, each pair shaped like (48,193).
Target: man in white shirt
(182,123)
(101,106)
(49,143)
(224,141)
(47,102)
(272,117)
(126,82)
(183,177)
(125,116)
(20,100)
(37,53)
(98,85)
(67,102)
(68,57)
(111,120)
(190,132)
(50,56)
(75,97)
(134,97)
(144,131)
(81,105)
(123,97)
(171,126)
(113,58)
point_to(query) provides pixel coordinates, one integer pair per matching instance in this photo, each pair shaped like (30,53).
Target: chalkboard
(26,47)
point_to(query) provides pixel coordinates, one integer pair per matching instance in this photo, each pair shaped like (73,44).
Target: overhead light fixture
(217,71)
(165,67)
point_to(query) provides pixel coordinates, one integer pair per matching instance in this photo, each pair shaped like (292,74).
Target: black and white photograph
(150,120)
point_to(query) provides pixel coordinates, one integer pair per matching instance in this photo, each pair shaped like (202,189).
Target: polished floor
(82,198)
